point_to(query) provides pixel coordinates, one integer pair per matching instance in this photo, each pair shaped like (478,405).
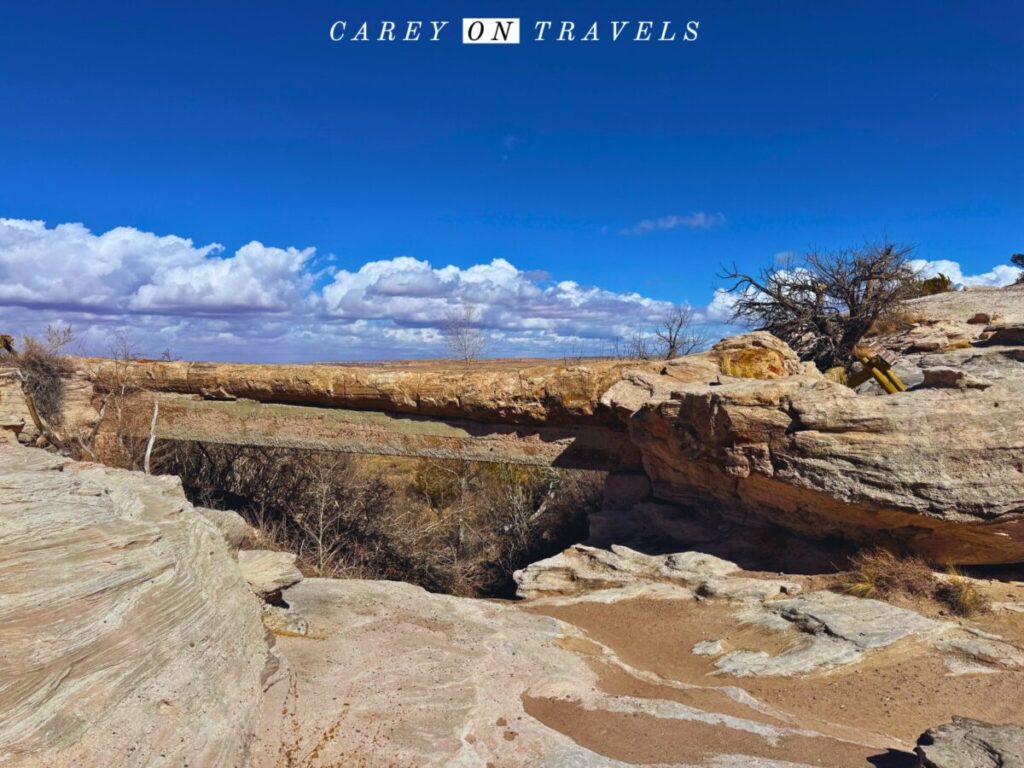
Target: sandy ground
(887,700)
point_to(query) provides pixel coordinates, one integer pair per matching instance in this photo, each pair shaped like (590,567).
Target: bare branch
(465,340)
(823,306)
(678,332)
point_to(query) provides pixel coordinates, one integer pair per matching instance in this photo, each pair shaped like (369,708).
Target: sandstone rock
(267,572)
(985,652)
(10,429)
(412,678)
(1009,334)
(929,471)
(428,671)
(581,569)
(838,630)
(757,355)
(652,526)
(236,532)
(812,456)
(624,490)
(931,343)
(129,636)
(952,378)
(967,743)
(709,648)
(79,413)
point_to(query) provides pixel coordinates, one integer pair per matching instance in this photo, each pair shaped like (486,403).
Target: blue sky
(629,170)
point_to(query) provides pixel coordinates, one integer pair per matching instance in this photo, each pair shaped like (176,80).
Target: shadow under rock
(657,528)
(895,758)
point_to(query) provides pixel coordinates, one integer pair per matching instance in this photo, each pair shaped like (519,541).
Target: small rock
(967,743)
(929,344)
(709,648)
(952,378)
(284,621)
(267,573)
(979,318)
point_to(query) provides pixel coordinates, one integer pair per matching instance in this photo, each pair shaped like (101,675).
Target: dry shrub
(930,286)
(127,409)
(837,374)
(491,519)
(878,573)
(961,596)
(896,321)
(823,304)
(45,370)
(449,526)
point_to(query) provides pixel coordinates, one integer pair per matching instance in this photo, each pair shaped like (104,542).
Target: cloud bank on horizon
(264,303)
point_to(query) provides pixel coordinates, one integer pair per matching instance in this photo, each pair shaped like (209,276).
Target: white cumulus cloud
(1000,275)
(269,303)
(265,303)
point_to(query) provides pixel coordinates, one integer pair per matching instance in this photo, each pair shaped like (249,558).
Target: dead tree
(823,306)
(678,333)
(462,334)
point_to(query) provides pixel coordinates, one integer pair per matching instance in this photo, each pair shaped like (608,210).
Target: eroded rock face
(129,636)
(616,658)
(933,472)
(967,743)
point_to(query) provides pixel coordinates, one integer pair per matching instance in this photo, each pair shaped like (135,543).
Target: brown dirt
(636,738)
(886,701)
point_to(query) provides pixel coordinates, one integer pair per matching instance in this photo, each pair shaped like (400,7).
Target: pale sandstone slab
(967,743)
(129,636)
(268,572)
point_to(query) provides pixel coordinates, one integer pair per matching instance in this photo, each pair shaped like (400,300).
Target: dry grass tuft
(878,573)
(961,596)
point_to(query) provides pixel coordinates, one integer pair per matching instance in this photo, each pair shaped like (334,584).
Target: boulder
(757,355)
(927,471)
(236,532)
(10,429)
(941,377)
(967,743)
(267,572)
(581,569)
(129,636)
(1007,334)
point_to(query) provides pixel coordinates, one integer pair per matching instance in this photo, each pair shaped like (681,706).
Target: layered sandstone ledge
(129,635)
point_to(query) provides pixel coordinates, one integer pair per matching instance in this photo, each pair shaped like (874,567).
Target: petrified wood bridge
(525,414)
(744,435)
